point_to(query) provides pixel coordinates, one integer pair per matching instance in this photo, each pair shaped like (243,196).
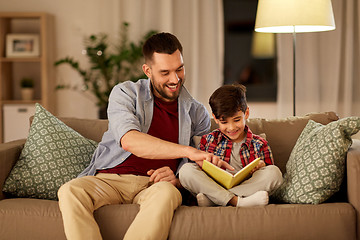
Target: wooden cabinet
(17,31)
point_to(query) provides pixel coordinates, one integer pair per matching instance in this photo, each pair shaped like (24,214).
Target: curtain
(199,27)
(327,66)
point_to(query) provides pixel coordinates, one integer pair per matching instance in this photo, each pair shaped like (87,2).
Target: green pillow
(315,169)
(53,154)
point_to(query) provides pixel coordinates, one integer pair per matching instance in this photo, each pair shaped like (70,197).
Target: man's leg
(157,205)
(197,181)
(80,197)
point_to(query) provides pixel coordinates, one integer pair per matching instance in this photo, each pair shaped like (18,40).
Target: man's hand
(163,174)
(260,165)
(199,156)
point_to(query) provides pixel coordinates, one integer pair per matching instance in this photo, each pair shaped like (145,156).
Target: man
(151,124)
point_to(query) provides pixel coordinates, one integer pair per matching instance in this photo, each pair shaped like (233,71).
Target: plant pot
(27,94)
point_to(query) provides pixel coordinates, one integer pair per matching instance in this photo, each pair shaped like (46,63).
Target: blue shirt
(131,108)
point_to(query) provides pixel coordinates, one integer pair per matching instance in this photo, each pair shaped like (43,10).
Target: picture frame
(22,45)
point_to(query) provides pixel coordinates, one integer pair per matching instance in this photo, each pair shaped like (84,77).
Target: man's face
(167,75)
(234,126)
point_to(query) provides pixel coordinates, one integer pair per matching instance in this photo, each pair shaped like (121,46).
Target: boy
(233,142)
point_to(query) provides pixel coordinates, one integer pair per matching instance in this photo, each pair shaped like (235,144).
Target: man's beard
(161,90)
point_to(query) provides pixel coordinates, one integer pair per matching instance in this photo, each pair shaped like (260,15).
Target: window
(243,62)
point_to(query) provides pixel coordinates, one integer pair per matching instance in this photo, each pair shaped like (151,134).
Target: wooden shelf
(22,59)
(21,101)
(40,68)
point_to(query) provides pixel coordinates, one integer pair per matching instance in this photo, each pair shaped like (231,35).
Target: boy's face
(234,126)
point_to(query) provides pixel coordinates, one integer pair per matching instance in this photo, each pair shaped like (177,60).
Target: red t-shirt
(164,125)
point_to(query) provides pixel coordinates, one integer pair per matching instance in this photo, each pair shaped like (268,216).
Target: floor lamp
(294,16)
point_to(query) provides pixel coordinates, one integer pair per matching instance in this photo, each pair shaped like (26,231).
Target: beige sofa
(338,218)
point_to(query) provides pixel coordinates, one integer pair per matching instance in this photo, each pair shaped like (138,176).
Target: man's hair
(227,100)
(161,43)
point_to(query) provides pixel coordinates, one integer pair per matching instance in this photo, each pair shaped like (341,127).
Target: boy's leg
(267,178)
(157,205)
(197,181)
(80,197)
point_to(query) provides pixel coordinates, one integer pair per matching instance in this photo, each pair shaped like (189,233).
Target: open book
(225,178)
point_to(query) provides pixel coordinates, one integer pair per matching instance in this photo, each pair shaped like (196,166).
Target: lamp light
(263,45)
(294,16)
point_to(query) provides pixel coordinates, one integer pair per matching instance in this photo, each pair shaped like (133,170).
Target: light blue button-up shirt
(131,108)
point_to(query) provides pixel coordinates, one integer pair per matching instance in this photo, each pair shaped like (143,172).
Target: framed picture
(22,45)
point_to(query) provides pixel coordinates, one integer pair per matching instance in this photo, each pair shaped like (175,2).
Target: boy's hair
(227,100)
(160,43)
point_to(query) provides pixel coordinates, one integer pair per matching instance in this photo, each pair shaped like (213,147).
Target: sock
(260,198)
(204,201)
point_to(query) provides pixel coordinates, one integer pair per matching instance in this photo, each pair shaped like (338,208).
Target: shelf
(11,15)
(21,101)
(20,59)
(14,69)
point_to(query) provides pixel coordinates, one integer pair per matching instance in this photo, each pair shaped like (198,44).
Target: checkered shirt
(254,146)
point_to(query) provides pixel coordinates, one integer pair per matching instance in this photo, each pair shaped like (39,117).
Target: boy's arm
(266,154)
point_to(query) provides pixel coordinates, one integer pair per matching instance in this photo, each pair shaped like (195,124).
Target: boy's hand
(221,164)
(260,165)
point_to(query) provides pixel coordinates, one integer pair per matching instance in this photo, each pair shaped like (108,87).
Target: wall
(73,21)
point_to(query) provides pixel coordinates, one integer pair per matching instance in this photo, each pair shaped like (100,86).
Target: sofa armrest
(9,154)
(353,179)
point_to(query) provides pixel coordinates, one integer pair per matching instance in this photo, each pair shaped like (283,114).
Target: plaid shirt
(254,146)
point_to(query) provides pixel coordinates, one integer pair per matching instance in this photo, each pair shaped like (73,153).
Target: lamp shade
(287,16)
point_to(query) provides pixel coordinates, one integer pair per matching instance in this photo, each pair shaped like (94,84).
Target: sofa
(336,218)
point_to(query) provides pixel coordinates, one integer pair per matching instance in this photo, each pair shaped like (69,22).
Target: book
(225,178)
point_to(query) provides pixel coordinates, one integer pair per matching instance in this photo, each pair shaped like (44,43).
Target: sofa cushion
(82,126)
(41,220)
(274,221)
(283,133)
(315,169)
(53,154)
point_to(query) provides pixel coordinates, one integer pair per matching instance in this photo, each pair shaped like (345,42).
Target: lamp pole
(284,16)
(294,71)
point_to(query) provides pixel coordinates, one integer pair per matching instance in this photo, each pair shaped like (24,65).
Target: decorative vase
(27,94)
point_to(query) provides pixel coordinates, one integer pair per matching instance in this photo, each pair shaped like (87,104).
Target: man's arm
(146,146)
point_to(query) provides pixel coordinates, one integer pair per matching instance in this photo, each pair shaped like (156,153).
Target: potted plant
(27,88)
(108,65)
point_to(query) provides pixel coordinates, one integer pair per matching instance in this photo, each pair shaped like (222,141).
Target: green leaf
(107,67)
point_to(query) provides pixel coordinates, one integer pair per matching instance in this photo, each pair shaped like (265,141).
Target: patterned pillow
(53,154)
(316,165)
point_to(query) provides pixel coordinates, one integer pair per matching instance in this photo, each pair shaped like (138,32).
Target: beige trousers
(80,197)
(267,178)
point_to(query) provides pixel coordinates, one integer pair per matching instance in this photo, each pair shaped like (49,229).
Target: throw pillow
(52,155)
(315,169)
